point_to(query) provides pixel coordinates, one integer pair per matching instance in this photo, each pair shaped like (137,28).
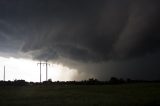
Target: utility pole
(46,63)
(4,73)
(40,63)
(46,70)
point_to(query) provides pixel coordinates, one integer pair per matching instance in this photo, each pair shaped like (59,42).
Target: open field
(141,94)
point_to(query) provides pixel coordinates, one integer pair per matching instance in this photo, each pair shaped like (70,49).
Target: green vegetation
(141,94)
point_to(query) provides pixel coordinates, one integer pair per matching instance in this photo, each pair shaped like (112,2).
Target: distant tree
(92,81)
(114,80)
(49,80)
(19,82)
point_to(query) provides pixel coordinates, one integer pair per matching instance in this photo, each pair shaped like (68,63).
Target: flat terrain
(140,94)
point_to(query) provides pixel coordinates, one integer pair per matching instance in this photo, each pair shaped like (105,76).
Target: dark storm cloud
(90,31)
(141,34)
(96,31)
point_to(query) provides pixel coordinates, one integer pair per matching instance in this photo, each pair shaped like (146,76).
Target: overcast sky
(102,38)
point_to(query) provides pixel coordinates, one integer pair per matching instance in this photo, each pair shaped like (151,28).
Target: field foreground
(141,94)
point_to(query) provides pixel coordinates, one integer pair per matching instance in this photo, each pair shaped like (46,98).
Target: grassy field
(141,94)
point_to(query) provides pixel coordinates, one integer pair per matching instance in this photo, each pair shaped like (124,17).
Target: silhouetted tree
(114,80)
(20,83)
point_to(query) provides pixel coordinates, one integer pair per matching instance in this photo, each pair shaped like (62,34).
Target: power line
(46,63)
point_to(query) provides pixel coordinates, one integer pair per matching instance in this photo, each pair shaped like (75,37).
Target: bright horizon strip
(28,70)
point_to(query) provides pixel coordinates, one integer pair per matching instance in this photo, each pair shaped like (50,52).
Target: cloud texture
(86,32)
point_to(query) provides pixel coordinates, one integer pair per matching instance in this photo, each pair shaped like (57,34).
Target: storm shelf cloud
(100,37)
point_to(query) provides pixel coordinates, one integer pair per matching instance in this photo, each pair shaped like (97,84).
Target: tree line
(90,81)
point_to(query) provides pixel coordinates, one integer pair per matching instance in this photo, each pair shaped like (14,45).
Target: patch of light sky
(26,69)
